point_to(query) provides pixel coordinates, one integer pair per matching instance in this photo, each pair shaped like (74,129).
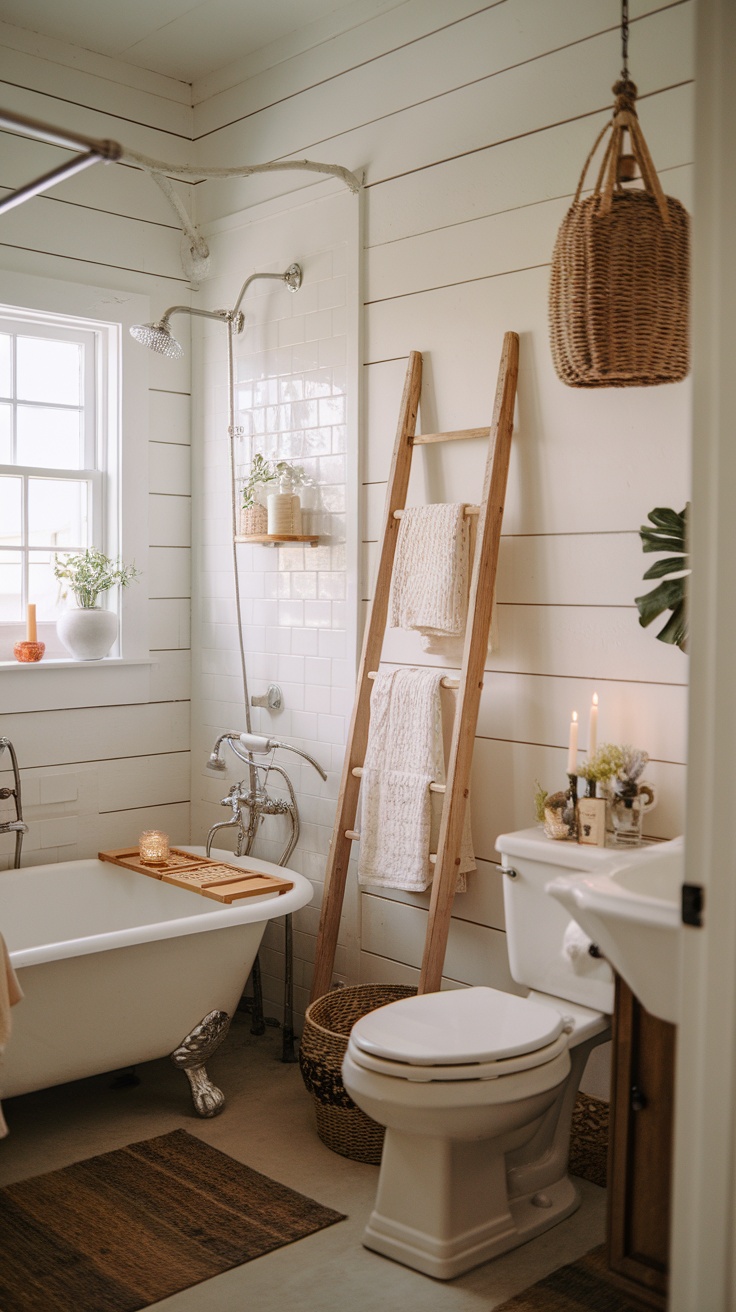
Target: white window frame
(122,406)
(99,436)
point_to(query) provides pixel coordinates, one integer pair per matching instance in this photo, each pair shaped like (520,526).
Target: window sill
(65,663)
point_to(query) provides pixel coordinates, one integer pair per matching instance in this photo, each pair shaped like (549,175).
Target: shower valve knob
(272,699)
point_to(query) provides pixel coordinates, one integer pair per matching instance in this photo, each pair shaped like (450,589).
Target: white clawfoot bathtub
(118,968)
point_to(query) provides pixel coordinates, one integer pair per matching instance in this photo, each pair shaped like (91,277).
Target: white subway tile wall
(291,404)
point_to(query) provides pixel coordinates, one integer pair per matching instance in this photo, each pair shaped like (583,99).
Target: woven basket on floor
(253,521)
(341,1125)
(619,290)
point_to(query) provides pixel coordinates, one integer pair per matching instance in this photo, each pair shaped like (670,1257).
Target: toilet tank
(536,924)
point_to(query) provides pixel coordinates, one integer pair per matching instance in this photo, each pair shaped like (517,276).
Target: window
(55,447)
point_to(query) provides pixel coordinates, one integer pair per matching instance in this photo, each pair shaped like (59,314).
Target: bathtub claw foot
(191,1055)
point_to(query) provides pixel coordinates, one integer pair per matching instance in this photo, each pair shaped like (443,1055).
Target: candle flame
(574,715)
(595,698)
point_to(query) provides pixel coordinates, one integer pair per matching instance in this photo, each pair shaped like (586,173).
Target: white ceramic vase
(87,634)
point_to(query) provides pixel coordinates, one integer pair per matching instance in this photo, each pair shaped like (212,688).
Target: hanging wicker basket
(619,291)
(341,1125)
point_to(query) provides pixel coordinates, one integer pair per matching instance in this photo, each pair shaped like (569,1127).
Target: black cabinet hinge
(693,902)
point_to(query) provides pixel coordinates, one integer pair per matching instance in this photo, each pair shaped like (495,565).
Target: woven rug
(582,1286)
(589,1139)
(128,1228)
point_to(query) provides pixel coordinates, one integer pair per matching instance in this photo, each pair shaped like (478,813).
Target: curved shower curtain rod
(196,255)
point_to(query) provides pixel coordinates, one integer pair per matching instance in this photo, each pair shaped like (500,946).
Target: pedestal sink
(631,908)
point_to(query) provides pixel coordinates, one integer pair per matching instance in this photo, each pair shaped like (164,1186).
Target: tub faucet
(257,802)
(17,826)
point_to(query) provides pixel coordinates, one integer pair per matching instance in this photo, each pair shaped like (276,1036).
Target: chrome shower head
(157,336)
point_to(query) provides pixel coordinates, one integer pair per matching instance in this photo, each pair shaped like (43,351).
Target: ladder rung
(445,681)
(357,772)
(350,833)
(469,510)
(422,439)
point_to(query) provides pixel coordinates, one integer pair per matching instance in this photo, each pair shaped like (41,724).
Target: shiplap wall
(104,752)
(472,124)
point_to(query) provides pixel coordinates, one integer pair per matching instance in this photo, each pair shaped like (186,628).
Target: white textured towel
(431,572)
(405,753)
(431,579)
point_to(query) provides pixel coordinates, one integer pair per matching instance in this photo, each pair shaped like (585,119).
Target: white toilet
(476,1087)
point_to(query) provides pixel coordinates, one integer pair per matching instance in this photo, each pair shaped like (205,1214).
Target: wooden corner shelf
(273,539)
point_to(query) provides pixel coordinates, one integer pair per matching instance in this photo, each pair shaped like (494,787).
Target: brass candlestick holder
(569,814)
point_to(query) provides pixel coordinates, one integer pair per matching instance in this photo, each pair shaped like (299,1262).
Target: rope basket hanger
(619,289)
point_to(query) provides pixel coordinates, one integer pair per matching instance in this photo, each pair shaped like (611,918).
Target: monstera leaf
(669,533)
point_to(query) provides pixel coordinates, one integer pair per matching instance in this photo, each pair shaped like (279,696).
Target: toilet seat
(480,1070)
(464,1034)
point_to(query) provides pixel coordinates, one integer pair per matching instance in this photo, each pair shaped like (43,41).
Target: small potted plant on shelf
(87,630)
(276,483)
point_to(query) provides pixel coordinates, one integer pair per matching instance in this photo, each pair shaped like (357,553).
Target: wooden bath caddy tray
(215,879)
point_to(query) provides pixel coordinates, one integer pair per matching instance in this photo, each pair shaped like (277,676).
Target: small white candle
(31,631)
(572,754)
(593,728)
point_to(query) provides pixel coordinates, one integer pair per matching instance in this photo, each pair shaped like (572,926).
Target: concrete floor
(268,1123)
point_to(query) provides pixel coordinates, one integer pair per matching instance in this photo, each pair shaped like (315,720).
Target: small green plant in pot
(262,475)
(87,631)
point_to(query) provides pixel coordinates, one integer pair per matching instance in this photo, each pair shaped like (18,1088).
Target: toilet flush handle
(509,872)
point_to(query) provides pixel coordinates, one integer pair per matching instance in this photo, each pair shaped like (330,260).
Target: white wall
(104,751)
(472,126)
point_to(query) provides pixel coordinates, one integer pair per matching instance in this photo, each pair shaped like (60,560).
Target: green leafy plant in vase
(87,630)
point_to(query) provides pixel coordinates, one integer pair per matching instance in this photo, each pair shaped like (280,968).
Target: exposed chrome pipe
(17,826)
(157,336)
(258,804)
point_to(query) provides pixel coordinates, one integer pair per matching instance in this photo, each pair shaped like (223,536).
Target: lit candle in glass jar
(153,847)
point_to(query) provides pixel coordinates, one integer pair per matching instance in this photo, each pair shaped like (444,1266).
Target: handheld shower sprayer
(254,744)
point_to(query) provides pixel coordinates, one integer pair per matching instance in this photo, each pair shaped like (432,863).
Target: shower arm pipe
(281,277)
(225,315)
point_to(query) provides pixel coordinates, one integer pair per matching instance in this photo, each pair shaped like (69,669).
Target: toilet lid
(479,1070)
(456,1028)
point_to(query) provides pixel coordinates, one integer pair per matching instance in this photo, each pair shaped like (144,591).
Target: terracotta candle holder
(29,651)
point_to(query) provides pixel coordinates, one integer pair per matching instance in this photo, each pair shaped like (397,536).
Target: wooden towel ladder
(469,686)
